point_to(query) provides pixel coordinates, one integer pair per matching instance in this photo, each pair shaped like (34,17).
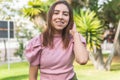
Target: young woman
(54,51)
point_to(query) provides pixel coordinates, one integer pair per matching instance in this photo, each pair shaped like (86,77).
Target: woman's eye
(66,14)
(55,12)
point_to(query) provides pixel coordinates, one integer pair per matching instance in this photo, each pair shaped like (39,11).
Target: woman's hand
(73,31)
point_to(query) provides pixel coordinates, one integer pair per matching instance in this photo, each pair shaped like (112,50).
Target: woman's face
(60,17)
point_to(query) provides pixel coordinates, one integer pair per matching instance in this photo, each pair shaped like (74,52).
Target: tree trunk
(109,60)
(39,22)
(115,49)
(117,40)
(97,59)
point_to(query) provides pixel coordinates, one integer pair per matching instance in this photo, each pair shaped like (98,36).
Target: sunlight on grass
(87,72)
(19,71)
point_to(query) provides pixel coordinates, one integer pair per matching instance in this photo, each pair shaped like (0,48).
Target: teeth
(59,22)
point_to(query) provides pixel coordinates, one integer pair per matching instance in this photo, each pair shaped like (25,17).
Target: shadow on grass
(115,67)
(20,77)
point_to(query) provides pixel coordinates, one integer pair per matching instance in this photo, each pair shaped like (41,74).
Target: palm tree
(108,13)
(36,11)
(90,26)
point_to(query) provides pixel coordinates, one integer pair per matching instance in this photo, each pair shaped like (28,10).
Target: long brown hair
(48,34)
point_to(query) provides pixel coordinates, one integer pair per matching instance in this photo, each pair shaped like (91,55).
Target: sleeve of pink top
(32,51)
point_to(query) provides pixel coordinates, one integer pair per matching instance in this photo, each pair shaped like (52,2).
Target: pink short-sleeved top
(56,63)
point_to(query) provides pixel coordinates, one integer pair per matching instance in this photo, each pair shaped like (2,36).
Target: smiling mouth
(59,22)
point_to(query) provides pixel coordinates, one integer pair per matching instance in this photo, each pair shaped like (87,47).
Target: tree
(22,31)
(111,15)
(111,12)
(37,11)
(5,10)
(108,13)
(90,26)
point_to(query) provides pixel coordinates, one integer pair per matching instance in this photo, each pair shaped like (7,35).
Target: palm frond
(90,27)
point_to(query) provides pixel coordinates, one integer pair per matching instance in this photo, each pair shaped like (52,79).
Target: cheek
(53,17)
(67,20)
(52,20)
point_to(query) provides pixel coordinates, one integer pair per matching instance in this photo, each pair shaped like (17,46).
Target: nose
(60,16)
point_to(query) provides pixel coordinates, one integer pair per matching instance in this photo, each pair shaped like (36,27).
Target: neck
(57,31)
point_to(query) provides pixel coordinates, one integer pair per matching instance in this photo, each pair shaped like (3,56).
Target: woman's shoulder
(32,50)
(35,40)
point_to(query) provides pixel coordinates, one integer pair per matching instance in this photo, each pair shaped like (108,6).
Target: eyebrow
(63,11)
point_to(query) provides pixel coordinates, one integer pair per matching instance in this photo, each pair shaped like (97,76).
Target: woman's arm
(33,72)
(80,51)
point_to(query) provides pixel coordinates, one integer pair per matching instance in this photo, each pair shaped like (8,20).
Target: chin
(59,28)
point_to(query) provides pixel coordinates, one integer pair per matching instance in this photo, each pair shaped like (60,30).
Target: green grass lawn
(19,71)
(88,72)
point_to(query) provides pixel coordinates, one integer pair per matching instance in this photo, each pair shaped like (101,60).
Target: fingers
(73,30)
(70,31)
(74,27)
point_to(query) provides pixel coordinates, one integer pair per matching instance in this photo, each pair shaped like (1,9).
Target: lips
(59,22)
